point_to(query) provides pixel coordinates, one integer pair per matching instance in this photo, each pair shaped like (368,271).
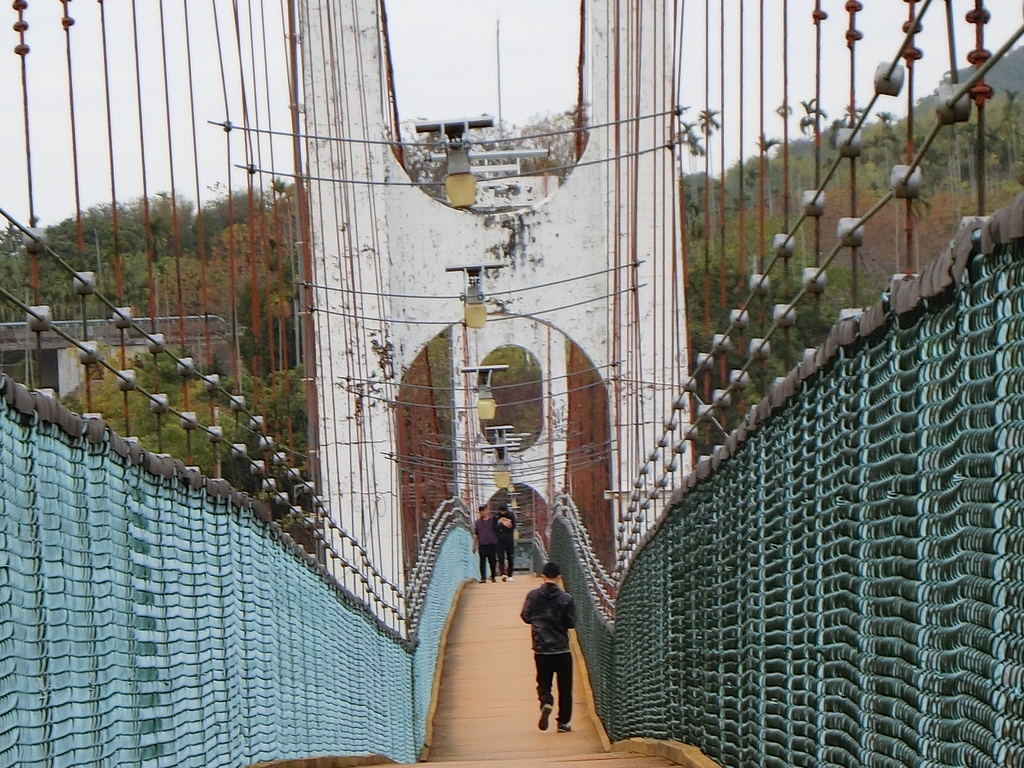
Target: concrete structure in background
(590,262)
(60,369)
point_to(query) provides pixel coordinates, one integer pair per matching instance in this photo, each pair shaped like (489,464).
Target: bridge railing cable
(450,514)
(837,591)
(569,546)
(599,584)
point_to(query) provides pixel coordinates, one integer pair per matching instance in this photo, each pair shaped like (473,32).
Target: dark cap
(551,570)
(503,507)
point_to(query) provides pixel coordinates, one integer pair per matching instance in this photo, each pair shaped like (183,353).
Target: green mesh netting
(848,588)
(144,623)
(592,629)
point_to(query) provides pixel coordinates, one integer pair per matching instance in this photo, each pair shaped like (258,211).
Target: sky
(445,55)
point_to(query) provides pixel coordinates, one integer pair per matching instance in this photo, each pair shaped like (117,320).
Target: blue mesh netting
(146,623)
(455,564)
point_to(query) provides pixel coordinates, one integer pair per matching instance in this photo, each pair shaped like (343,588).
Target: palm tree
(810,119)
(886,139)
(707,122)
(689,138)
(1009,125)
(764,145)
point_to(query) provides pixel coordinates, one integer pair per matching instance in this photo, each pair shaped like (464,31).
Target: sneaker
(510,579)
(564,728)
(504,578)
(545,715)
(483,581)
(492,580)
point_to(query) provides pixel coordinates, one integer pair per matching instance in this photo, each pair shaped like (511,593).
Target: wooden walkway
(487,706)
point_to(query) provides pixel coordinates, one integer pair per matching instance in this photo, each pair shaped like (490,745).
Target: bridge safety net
(592,627)
(147,622)
(847,589)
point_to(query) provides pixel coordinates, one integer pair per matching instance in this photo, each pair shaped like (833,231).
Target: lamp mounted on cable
(502,473)
(486,406)
(475,309)
(459,183)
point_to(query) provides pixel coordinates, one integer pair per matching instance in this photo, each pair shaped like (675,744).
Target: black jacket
(505,533)
(552,613)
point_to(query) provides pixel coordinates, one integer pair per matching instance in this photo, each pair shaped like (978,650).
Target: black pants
(506,556)
(488,554)
(548,665)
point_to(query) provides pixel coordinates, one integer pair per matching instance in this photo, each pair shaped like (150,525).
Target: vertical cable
(818,16)
(762,142)
(232,269)
(707,123)
(785,111)
(681,280)
(852,36)
(267,242)
(145,176)
(22,49)
(200,230)
(377,275)
(114,210)
(762,197)
(911,53)
(304,322)
(175,226)
(741,226)
(580,137)
(34,372)
(980,93)
(635,82)
(616,219)
(722,275)
(67,22)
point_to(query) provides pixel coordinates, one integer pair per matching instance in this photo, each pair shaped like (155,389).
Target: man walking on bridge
(485,541)
(505,526)
(551,613)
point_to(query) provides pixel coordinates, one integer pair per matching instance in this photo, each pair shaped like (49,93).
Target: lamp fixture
(502,474)
(475,314)
(486,406)
(459,183)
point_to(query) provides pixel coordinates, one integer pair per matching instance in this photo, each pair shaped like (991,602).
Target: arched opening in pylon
(523,69)
(575,437)
(424,412)
(588,467)
(519,393)
(530,509)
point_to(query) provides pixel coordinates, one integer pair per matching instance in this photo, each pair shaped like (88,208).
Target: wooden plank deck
(487,708)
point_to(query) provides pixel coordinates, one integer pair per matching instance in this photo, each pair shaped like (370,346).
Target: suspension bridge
(750,376)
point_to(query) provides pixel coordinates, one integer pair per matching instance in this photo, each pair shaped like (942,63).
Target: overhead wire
(253,169)
(442,144)
(494,318)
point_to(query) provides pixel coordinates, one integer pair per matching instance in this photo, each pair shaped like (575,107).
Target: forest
(235,258)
